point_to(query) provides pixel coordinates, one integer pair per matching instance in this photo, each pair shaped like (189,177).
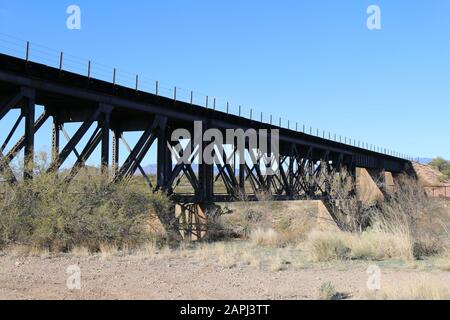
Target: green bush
(443,166)
(47,213)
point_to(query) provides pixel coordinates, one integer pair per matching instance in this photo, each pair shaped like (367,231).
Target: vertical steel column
(105,143)
(291,172)
(164,156)
(206,175)
(269,165)
(105,124)
(55,138)
(28,111)
(242,170)
(115,152)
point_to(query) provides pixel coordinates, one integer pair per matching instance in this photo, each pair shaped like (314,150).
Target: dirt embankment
(429,176)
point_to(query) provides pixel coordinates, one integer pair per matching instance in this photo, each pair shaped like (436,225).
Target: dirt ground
(182,277)
(428,175)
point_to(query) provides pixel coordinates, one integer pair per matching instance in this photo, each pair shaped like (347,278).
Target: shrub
(327,292)
(411,212)
(89,212)
(442,166)
(327,246)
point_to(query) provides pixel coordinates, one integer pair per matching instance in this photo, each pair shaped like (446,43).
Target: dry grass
(27,251)
(277,263)
(147,250)
(241,253)
(18,250)
(324,246)
(409,226)
(382,244)
(443,261)
(419,289)
(80,251)
(326,291)
(107,251)
(266,238)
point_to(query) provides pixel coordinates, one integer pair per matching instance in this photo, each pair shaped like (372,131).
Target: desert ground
(264,250)
(213,271)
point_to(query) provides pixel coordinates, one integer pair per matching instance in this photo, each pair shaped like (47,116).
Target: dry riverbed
(207,274)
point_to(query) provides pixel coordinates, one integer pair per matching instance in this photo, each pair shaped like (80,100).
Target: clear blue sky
(314,62)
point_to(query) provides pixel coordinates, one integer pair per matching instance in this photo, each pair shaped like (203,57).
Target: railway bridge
(113,110)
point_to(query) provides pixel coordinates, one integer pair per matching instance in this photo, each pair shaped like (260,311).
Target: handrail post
(61,58)
(27,55)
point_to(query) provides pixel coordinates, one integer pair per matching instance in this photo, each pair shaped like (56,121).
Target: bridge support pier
(28,112)
(164,157)
(205,173)
(115,152)
(55,137)
(105,126)
(367,189)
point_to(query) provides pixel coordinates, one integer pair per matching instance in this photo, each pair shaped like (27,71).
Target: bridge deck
(73,96)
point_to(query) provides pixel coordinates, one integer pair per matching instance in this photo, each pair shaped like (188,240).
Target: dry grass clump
(327,291)
(408,226)
(240,254)
(252,219)
(421,219)
(381,245)
(418,289)
(266,238)
(443,261)
(322,246)
(80,251)
(293,230)
(108,250)
(327,246)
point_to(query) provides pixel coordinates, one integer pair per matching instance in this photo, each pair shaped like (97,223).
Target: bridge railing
(23,49)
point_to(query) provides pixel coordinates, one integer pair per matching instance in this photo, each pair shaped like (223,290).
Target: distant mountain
(152,169)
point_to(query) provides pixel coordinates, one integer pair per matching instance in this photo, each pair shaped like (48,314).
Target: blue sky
(314,62)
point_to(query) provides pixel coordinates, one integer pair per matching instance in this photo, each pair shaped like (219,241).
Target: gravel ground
(131,277)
